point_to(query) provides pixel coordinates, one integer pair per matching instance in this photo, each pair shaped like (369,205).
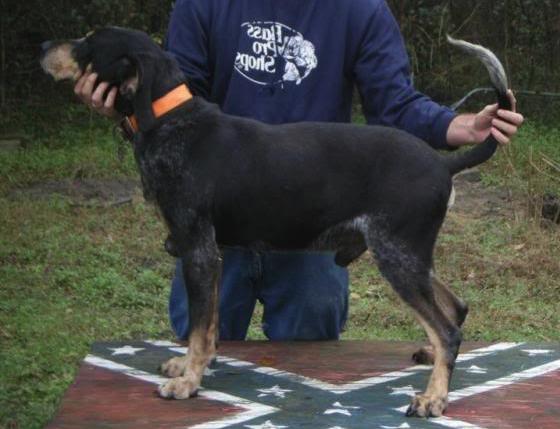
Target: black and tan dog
(224,180)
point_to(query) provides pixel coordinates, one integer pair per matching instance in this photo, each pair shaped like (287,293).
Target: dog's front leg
(201,271)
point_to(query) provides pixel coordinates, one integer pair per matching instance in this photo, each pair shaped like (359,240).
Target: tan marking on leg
(433,401)
(174,367)
(213,331)
(186,385)
(178,388)
(447,302)
(202,349)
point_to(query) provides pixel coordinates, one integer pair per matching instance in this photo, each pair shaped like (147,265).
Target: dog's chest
(162,167)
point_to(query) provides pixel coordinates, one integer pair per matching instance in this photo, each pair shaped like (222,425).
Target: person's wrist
(462,131)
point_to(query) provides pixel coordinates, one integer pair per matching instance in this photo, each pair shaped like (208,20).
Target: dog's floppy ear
(125,73)
(142,83)
(83,53)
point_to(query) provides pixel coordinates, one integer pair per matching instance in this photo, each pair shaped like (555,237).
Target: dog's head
(125,58)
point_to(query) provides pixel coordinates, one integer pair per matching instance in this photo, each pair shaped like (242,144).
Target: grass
(71,274)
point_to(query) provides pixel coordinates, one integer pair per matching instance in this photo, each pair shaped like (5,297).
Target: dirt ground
(475,199)
(472,196)
(84,192)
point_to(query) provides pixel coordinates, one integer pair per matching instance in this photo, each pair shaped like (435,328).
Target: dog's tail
(483,151)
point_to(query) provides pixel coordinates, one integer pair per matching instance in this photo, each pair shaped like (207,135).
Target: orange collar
(168,102)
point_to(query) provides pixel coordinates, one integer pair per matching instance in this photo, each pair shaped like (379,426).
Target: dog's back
(282,186)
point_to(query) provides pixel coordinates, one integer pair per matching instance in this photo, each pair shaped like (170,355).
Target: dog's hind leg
(454,308)
(406,265)
(201,271)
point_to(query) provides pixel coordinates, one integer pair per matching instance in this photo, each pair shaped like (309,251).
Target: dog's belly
(346,239)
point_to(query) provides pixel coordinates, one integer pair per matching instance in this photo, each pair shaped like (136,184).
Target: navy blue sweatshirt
(298,60)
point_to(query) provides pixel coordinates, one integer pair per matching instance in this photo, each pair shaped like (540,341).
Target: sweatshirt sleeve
(382,73)
(187,42)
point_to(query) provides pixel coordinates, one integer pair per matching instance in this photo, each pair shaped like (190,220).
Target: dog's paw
(427,406)
(174,367)
(178,388)
(424,356)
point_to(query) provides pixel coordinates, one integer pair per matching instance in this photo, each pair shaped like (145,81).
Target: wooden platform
(329,385)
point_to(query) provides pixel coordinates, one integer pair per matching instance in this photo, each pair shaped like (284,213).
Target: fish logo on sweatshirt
(272,53)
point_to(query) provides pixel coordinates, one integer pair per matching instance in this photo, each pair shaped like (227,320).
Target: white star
(341,409)
(476,370)
(337,411)
(266,425)
(348,407)
(125,350)
(537,352)
(275,390)
(405,390)
(403,426)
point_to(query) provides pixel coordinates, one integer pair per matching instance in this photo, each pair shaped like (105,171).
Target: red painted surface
(530,404)
(334,362)
(100,398)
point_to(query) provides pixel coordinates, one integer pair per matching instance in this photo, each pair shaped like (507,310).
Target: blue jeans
(304,295)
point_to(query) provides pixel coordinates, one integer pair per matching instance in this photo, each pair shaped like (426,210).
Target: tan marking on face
(60,64)
(130,85)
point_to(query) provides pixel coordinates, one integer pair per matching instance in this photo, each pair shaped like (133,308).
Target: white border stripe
(485,351)
(161,343)
(254,409)
(504,381)
(455,424)
(124,369)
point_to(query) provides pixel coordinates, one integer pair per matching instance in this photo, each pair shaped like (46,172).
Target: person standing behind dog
(281,61)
